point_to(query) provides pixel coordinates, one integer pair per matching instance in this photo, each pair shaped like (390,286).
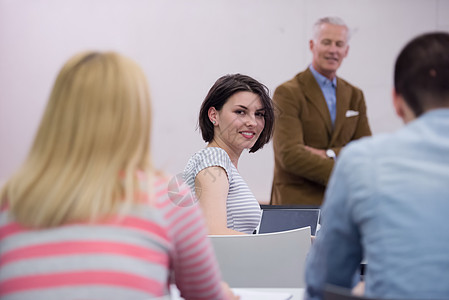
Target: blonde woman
(85,217)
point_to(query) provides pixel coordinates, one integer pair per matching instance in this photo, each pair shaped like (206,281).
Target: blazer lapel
(343,93)
(315,97)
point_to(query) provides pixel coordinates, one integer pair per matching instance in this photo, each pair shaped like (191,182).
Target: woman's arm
(211,189)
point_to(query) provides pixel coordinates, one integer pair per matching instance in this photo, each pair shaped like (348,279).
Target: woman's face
(240,121)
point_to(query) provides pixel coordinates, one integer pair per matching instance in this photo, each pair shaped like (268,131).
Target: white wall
(184,46)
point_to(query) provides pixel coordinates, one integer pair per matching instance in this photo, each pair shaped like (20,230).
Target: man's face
(329,48)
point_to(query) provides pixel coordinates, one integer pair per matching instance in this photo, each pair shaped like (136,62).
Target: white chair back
(269,260)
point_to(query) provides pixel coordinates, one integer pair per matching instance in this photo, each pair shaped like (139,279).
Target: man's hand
(359,289)
(319,152)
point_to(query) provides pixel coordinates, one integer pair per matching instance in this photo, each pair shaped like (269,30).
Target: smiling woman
(236,114)
(238,124)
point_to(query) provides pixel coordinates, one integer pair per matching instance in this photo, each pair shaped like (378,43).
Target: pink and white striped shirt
(128,258)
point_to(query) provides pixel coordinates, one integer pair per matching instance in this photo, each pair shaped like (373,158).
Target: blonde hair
(93,139)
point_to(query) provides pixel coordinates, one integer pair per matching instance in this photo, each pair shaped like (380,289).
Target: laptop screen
(281,219)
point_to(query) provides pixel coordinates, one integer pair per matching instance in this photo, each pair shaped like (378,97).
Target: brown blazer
(302,118)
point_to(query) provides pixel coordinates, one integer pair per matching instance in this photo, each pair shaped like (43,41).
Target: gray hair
(329,20)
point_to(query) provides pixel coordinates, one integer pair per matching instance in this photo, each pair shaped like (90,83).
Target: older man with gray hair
(318,114)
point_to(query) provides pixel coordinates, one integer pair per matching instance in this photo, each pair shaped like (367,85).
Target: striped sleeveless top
(243,210)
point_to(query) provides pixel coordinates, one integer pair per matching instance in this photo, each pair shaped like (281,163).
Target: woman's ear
(212,114)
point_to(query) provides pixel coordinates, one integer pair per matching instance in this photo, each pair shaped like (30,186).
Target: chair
(333,292)
(270,260)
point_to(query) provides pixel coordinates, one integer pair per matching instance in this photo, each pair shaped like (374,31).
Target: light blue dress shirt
(328,87)
(388,201)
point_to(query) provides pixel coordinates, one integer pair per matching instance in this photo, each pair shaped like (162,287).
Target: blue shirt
(388,201)
(328,87)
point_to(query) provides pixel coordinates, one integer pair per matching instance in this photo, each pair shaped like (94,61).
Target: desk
(268,293)
(255,293)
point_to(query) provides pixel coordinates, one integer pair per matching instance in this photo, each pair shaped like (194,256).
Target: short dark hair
(421,74)
(222,90)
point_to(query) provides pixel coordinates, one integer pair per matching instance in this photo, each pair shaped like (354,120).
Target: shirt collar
(322,80)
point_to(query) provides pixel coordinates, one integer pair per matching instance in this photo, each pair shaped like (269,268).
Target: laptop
(280,218)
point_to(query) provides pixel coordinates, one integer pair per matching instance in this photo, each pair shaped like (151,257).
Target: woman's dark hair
(222,90)
(421,74)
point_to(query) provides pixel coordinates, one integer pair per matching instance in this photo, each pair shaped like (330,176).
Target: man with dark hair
(388,196)
(318,114)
